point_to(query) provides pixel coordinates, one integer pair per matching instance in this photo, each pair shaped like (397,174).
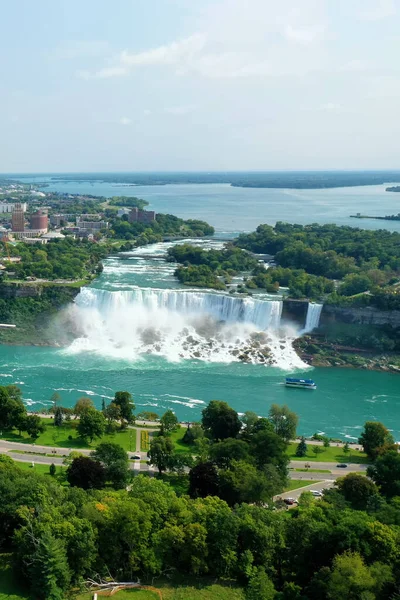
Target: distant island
(246,179)
(386,218)
(394,188)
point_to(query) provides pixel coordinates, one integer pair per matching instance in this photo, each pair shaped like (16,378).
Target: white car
(316,493)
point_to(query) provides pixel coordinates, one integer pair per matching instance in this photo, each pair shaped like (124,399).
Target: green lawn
(295,484)
(9,590)
(198,591)
(38,468)
(179,483)
(57,437)
(331,454)
(177,437)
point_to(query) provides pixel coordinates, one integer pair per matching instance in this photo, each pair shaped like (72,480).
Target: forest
(84,522)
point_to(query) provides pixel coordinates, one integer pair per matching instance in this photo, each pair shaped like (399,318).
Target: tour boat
(300,383)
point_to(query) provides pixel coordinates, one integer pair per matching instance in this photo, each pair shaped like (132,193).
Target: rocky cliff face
(35,290)
(360,316)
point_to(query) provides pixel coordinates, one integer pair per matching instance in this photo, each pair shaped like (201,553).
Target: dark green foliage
(86,473)
(260,586)
(126,405)
(164,225)
(224,452)
(169,421)
(92,424)
(52,469)
(375,438)
(115,460)
(161,452)
(58,417)
(49,571)
(203,480)
(34,426)
(220,421)
(12,409)
(193,433)
(386,473)
(301,449)
(357,490)
(284,421)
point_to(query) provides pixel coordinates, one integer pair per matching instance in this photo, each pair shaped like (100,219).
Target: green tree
(326,442)
(284,421)
(49,572)
(346,449)
(86,473)
(357,490)
(301,449)
(169,421)
(350,578)
(34,426)
(193,433)
(58,417)
(52,469)
(82,405)
(260,586)
(386,473)
(126,405)
(161,452)
(12,409)
(374,437)
(317,450)
(91,424)
(220,421)
(112,413)
(203,480)
(242,482)
(224,452)
(115,460)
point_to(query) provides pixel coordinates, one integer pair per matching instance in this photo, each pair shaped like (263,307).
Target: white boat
(300,383)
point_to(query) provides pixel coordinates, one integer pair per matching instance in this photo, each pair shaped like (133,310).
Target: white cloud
(302,35)
(377,10)
(125,121)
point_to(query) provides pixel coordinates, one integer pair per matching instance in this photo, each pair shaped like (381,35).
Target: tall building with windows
(18,218)
(40,220)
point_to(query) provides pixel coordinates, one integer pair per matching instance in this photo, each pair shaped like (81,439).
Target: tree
(350,578)
(374,437)
(242,482)
(86,473)
(193,433)
(357,490)
(301,449)
(346,449)
(260,586)
(169,421)
(249,419)
(58,417)
(161,452)
(81,405)
(203,480)
(112,413)
(146,415)
(115,460)
(284,421)
(91,424)
(55,399)
(224,452)
(125,402)
(267,447)
(34,426)
(386,473)
(326,442)
(220,421)
(317,450)
(52,469)
(12,409)
(49,572)
(103,405)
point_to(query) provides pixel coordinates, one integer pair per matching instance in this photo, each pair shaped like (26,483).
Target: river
(135,326)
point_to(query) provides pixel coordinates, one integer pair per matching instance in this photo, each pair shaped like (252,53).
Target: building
(123,211)
(28,233)
(91,226)
(8,207)
(39,220)
(141,216)
(18,218)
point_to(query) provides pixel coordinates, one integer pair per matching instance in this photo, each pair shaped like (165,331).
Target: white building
(8,207)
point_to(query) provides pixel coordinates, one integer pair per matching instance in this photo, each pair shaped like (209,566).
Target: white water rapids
(179,324)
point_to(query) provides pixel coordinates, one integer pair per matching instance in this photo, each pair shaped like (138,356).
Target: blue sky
(187,85)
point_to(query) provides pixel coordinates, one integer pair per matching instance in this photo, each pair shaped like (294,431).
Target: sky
(134,85)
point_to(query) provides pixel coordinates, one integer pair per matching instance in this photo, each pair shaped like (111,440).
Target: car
(316,493)
(290,501)
(136,457)
(341,466)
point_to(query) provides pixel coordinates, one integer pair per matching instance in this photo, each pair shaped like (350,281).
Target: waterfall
(313,316)
(264,315)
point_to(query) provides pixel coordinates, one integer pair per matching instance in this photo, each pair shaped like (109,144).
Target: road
(295,494)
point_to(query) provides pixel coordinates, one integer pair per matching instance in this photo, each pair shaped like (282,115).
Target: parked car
(316,493)
(290,501)
(341,466)
(136,457)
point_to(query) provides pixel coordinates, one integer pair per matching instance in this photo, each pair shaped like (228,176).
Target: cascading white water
(264,315)
(313,316)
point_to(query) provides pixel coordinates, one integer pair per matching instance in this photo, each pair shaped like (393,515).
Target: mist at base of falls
(179,325)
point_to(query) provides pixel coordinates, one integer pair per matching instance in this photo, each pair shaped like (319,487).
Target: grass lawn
(295,484)
(169,591)
(57,437)
(179,483)
(177,437)
(9,589)
(38,468)
(331,454)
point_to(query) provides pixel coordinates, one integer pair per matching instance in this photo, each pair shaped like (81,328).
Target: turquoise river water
(172,348)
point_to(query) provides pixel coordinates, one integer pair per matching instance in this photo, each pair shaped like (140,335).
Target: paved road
(322,485)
